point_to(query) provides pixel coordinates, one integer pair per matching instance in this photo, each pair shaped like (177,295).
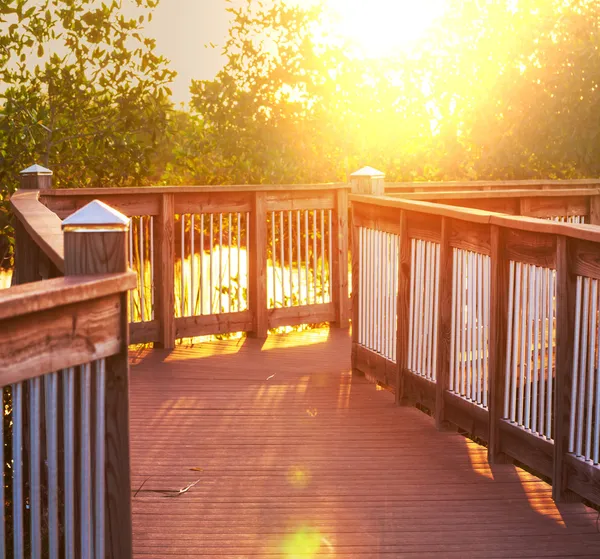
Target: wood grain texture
(95,253)
(565,328)
(59,337)
(499,288)
(35,297)
(375,367)
(492,185)
(530,248)
(340,232)
(595,210)
(41,224)
(289,445)
(305,314)
(213,202)
(467,195)
(190,326)
(258,266)
(583,478)
(356,271)
(298,200)
(470,236)
(527,448)
(585,258)
(417,390)
(444,325)
(164,271)
(144,332)
(402,307)
(467,416)
(373,217)
(147,203)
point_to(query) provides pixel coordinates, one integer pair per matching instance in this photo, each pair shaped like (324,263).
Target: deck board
(296,458)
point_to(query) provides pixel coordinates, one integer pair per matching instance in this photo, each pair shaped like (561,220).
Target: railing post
(340,259)
(594,216)
(95,241)
(444,325)
(258,265)
(165,271)
(499,288)
(402,308)
(565,328)
(368,181)
(29,264)
(356,271)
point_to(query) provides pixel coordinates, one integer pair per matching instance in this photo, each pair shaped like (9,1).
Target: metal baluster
(192,265)
(536,337)
(182,271)
(528,364)
(85,490)
(69,459)
(550,354)
(220,297)
(152,285)
(411,312)
(142,270)
(211,268)
(583,368)
(17,468)
(100,425)
(515,349)
(202,276)
(51,405)
(34,468)
(453,330)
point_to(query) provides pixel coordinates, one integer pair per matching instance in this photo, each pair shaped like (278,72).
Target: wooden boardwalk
(295,458)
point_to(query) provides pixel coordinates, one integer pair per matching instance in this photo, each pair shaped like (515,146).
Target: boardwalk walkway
(297,459)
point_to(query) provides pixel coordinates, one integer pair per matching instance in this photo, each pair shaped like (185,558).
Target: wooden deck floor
(294,458)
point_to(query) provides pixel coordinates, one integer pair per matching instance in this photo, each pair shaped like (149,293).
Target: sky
(182,28)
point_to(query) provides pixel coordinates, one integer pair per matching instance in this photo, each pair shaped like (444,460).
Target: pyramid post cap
(36,169)
(368,172)
(96,216)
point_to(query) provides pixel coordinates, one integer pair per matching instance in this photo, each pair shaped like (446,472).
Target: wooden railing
(214,260)
(64,367)
(570,205)
(488,321)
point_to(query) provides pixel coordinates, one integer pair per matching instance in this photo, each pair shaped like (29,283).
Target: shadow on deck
(296,458)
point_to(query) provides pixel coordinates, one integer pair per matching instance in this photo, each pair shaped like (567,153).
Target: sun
(380,28)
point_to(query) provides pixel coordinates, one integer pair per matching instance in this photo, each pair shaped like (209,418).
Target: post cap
(36,169)
(96,216)
(367,172)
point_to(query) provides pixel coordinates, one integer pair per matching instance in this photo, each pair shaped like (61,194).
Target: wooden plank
(418,390)
(595,209)
(528,448)
(144,202)
(42,226)
(423,226)
(585,258)
(531,248)
(565,328)
(53,293)
(499,294)
(374,366)
(466,415)
(164,271)
(213,202)
(295,200)
(258,266)
(444,325)
(372,217)
(470,236)
(339,259)
(59,337)
(95,254)
(583,478)
(144,332)
(570,204)
(305,314)
(190,326)
(403,309)
(494,185)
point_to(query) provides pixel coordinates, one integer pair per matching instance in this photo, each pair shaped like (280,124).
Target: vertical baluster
(239,260)
(322,256)
(290,258)
(248,257)
(583,367)
(431,325)
(515,348)
(536,339)
(192,264)
(426,309)
(51,407)
(591,372)
(201,271)
(35,526)
(142,270)
(361,288)
(551,277)
(528,353)
(486,321)
(330,259)
(523,313)
(372,289)
(273,259)
(182,278)
(481,293)
(376,288)
(211,268)
(220,297)
(69,459)
(459,322)
(453,330)
(132,317)
(597,396)
(367,290)
(307,257)
(2,482)
(463,325)
(314,227)
(543,364)
(393,275)
(470,346)
(411,312)
(17,468)
(85,493)
(301,300)
(387,327)
(99,458)
(282,259)
(229,274)
(436,308)
(418,306)
(152,286)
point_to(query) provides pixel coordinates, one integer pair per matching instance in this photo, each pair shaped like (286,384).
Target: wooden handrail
(493,184)
(471,215)
(487,194)
(42,225)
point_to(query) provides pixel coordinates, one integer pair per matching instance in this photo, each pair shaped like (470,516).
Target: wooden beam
(225,323)
(565,328)
(402,307)
(164,273)
(339,259)
(258,266)
(305,314)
